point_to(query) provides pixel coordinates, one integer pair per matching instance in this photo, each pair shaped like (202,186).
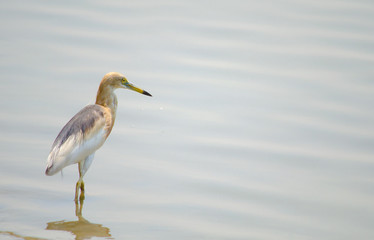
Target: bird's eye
(124,82)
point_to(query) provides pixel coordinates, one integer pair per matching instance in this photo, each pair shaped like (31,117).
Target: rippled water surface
(261,124)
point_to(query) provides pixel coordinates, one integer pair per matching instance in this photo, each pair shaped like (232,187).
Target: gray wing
(82,121)
(72,135)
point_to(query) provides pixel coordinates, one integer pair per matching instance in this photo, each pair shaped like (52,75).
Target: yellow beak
(136,89)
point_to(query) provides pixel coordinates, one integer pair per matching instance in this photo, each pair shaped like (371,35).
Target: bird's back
(79,138)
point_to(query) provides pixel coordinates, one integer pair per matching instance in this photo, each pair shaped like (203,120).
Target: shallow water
(260,125)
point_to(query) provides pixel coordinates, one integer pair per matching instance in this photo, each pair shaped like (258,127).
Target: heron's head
(117,80)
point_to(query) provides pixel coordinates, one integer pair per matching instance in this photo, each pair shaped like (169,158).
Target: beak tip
(147,93)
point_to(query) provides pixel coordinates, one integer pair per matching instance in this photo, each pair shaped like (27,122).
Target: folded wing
(79,138)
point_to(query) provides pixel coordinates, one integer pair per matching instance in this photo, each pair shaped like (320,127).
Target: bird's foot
(79,185)
(81,197)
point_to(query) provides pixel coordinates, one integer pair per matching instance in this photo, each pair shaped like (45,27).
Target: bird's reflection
(82,229)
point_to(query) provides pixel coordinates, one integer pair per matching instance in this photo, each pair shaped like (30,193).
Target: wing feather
(80,137)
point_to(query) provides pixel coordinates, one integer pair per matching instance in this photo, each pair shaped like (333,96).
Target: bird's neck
(107,99)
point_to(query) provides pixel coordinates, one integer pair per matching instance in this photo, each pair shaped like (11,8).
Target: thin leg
(81,198)
(82,167)
(79,208)
(76,192)
(79,185)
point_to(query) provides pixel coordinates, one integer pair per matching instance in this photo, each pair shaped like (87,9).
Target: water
(261,124)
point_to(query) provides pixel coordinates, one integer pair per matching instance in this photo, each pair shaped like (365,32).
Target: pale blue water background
(261,125)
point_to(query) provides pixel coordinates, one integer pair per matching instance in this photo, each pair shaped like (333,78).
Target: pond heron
(87,130)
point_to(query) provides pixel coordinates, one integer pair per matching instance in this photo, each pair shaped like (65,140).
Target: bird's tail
(54,164)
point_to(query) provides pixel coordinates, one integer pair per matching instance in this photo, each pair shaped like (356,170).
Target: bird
(87,131)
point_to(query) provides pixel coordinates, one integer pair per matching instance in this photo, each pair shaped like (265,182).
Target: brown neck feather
(106,98)
(105,95)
